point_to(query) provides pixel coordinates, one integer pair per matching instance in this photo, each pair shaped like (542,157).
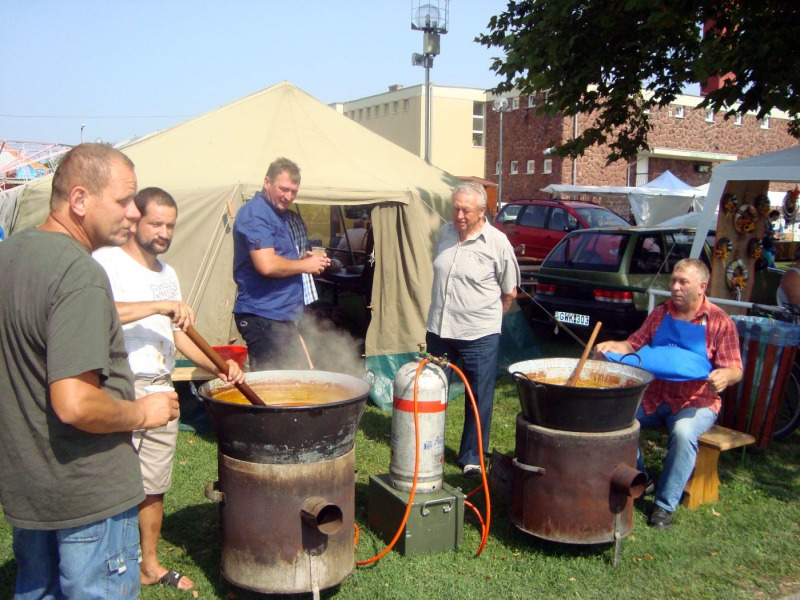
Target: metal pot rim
(527,366)
(306,376)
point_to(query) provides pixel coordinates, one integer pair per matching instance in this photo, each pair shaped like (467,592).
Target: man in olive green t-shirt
(71,479)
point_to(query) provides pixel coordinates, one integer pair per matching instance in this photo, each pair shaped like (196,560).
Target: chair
(557,221)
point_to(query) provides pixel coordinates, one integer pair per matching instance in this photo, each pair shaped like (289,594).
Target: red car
(534,227)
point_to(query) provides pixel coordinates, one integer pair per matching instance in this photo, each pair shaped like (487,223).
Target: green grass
(747,545)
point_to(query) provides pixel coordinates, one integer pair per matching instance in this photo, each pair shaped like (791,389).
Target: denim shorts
(95,561)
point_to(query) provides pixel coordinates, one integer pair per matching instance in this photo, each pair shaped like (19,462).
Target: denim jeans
(684,429)
(95,561)
(478,360)
(271,344)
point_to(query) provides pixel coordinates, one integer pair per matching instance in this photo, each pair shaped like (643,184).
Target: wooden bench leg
(703,485)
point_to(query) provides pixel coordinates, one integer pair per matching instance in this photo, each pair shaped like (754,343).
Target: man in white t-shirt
(148,298)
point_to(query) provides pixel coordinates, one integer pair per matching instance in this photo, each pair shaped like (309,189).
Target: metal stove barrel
(286,485)
(575,487)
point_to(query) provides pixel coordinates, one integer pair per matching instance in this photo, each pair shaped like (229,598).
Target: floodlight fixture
(431,18)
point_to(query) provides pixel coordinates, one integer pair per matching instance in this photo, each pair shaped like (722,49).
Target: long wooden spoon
(222,365)
(576,374)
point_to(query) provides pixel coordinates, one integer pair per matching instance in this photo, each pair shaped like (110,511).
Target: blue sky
(129,67)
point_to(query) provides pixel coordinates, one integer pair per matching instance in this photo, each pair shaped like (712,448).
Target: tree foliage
(597,56)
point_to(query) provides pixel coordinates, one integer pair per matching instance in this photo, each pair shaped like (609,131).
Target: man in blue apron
(692,348)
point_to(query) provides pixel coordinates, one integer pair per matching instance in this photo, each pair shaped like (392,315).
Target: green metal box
(435,523)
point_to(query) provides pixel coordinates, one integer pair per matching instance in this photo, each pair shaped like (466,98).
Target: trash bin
(768,351)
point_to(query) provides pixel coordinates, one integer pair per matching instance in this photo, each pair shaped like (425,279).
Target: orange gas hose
(474,509)
(485,528)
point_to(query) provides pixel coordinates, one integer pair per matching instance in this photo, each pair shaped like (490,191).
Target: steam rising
(331,348)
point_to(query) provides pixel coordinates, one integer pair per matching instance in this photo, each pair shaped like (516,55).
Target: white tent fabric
(8,205)
(783,165)
(664,198)
(658,200)
(690,219)
(668,181)
(214,163)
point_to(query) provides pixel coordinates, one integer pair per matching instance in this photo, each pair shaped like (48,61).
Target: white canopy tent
(783,165)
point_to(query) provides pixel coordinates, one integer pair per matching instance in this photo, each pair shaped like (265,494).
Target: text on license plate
(572,318)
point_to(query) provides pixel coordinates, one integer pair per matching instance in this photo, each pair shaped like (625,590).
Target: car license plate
(572,318)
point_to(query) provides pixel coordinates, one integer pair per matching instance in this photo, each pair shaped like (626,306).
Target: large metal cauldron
(550,404)
(286,484)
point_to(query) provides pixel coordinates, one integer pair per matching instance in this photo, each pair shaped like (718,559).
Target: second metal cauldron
(584,409)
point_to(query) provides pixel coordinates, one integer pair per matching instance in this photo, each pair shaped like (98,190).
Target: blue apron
(676,353)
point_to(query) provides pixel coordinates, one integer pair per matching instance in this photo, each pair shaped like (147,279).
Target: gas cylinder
(432,404)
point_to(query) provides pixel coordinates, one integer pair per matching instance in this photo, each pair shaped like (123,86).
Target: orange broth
(287,393)
(595,381)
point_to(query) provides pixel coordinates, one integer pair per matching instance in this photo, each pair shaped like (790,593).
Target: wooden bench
(191,374)
(703,485)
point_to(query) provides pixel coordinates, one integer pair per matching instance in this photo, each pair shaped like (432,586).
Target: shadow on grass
(8,575)
(376,424)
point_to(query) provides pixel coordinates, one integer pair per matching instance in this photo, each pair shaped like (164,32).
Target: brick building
(684,139)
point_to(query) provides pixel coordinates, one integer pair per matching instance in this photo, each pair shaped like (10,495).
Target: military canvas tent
(214,163)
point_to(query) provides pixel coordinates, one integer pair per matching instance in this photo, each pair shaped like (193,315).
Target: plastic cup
(152,389)
(319,251)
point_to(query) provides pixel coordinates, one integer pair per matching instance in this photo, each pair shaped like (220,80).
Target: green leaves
(595,56)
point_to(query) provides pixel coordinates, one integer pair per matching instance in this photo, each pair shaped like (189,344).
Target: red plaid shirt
(722,348)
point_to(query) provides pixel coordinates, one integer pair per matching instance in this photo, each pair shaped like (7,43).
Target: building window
(405,105)
(515,103)
(478,124)
(369,110)
(530,167)
(385,109)
(514,167)
(678,112)
(532,101)
(396,107)
(737,120)
(377,110)
(497,168)
(547,166)
(765,123)
(709,116)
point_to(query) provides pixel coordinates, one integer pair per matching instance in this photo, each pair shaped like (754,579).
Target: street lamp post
(82,128)
(431,19)
(500,106)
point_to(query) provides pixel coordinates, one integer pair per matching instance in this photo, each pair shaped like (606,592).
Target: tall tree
(598,56)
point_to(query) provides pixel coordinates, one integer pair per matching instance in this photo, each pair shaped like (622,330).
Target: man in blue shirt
(268,268)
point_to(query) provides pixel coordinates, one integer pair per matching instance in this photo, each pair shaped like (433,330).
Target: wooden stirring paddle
(222,365)
(576,374)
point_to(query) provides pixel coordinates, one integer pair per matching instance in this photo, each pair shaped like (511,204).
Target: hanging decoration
(736,275)
(746,219)
(723,248)
(762,205)
(755,248)
(729,203)
(790,204)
